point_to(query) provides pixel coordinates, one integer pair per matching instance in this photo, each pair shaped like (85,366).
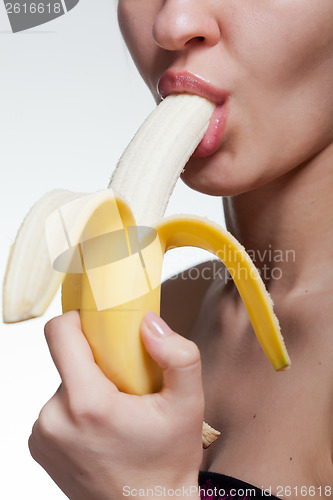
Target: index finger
(72,354)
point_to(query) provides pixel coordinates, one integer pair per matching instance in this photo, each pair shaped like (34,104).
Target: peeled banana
(107,249)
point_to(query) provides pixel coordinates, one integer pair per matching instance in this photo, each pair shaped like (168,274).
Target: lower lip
(213,137)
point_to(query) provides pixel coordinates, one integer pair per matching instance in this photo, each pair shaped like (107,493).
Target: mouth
(173,82)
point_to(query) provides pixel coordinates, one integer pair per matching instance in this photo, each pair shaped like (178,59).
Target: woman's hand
(98,443)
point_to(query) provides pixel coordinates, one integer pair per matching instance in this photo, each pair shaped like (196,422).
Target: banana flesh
(153,161)
(144,177)
(30,281)
(209,435)
(110,261)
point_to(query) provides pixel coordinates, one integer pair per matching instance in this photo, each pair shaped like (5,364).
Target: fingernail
(156,325)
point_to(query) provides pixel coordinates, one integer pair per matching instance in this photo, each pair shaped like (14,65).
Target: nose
(181,23)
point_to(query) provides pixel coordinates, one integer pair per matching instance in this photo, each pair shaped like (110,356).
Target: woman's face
(272,60)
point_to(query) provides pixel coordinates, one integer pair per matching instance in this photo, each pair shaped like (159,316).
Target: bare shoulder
(183,294)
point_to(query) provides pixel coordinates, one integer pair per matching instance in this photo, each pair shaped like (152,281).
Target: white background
(70,100)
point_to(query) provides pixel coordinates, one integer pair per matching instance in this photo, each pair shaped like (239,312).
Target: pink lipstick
(172,82)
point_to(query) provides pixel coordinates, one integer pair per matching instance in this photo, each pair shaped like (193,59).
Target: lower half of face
(274,60)
(267,135)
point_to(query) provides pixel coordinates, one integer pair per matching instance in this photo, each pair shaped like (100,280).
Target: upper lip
(175,82)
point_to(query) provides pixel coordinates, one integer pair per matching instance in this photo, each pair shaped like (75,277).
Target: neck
(287,226)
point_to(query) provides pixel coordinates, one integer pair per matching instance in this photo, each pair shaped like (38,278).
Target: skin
(94,441)
(274,171)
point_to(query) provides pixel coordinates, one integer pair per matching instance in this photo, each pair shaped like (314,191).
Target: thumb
(178,357)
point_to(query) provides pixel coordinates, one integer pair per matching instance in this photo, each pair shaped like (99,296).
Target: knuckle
(31,446)
(34,447)
(51,423)
(46,428)
(86,411)
(52,326)
(188,355)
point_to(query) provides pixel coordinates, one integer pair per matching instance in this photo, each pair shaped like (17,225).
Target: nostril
(196,39)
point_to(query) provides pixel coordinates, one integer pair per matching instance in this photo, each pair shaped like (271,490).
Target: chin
(217,180)
(225,179)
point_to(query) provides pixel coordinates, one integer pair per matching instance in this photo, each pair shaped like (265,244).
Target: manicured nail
(156,325)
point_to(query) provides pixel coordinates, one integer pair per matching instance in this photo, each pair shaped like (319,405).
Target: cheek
(136,18)
(282,112)
(134,26)
(284,41)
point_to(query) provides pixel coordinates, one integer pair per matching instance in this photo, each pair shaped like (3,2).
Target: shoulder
(183,294)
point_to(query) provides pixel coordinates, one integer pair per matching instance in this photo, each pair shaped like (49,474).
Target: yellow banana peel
(110,263)
(118,284)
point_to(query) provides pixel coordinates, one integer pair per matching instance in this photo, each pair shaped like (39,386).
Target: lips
(172,82)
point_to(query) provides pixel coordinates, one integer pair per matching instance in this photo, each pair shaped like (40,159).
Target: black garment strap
(215,486)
